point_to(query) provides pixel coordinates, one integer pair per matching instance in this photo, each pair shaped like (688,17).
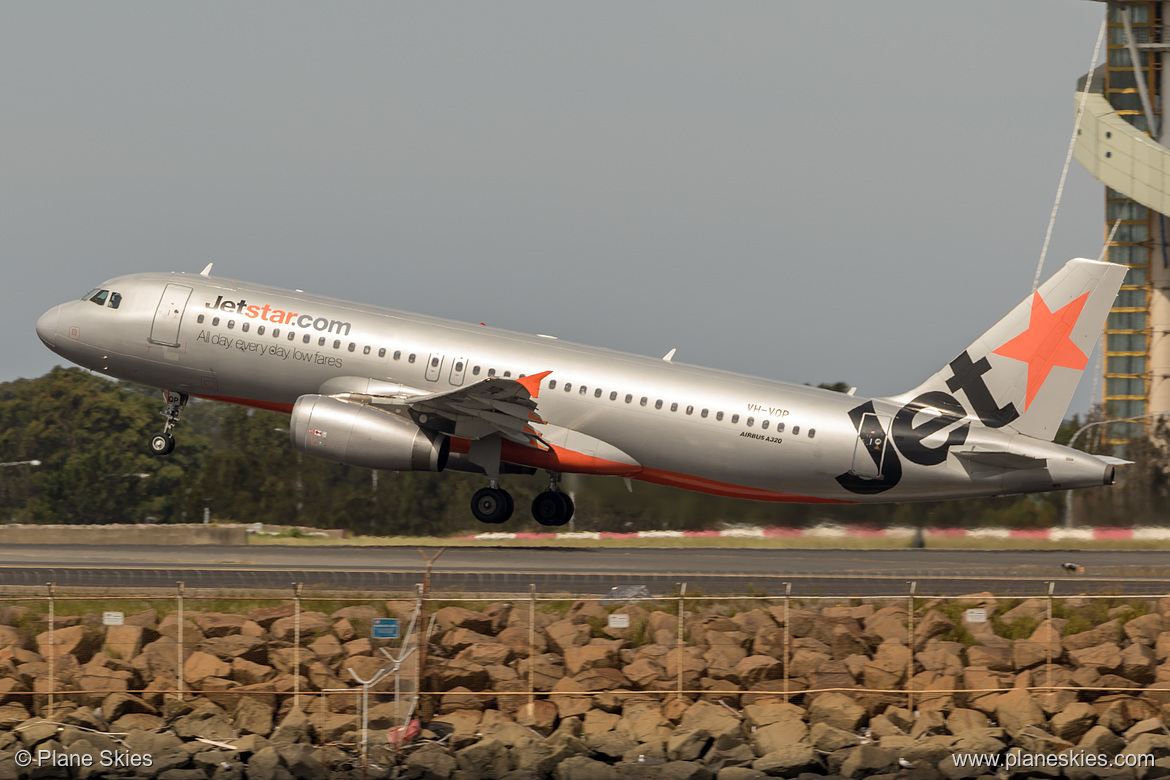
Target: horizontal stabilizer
(1002,460)
(1113,461)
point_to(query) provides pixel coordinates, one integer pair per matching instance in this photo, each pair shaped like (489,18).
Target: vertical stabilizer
(1023,371)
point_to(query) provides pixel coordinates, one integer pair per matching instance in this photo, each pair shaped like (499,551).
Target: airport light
(1068,504)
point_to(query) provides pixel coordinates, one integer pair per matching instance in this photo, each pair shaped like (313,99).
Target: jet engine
(357,435)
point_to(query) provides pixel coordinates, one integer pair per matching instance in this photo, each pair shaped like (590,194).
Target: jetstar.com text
(1069,759)
(280,316)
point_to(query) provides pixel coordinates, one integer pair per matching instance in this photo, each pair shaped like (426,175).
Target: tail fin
(1022,372)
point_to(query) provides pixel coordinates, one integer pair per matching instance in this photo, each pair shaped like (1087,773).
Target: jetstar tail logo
(1046,343)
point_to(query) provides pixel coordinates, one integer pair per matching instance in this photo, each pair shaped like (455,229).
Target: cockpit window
(90,294)
(115,300)
(100,297)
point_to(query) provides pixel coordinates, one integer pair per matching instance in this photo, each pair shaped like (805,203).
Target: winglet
(207,271)
(669,356)
(531,383)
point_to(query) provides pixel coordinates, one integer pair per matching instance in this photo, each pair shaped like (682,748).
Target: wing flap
(495,405)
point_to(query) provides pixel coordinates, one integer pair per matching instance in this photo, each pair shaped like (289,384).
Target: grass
(775,543)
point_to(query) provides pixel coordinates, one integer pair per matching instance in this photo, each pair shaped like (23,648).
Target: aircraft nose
(47,327)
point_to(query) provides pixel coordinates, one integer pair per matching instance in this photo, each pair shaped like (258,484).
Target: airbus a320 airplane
(388,390)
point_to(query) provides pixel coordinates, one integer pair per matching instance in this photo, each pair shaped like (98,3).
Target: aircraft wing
(495,405)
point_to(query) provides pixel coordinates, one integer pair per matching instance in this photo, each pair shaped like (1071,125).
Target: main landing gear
(494,505)
(163,443)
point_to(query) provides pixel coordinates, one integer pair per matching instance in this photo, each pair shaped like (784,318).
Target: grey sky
(804,191)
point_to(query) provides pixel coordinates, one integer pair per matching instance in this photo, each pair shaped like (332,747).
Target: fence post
(1047,643)
(532,646)
(179,642)
(910,641)
(682,595)
(425,703)
(297,644)
(52,586)
(787,598)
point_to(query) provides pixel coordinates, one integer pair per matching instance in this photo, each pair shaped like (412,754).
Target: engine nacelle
(357,435)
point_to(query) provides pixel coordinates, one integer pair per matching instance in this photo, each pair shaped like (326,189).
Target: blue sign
(385,628)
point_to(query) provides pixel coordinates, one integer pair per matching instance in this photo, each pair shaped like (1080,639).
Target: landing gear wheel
(162,444)
(492,505)
(552,508)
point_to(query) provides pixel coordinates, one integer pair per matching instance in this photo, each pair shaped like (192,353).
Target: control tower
(1123,142)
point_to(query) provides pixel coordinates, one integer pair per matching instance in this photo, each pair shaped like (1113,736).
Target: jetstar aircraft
(384,389)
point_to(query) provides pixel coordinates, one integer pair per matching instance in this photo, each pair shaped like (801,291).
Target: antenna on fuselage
(207,271)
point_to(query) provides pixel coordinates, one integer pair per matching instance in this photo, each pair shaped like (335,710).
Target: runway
(583,570)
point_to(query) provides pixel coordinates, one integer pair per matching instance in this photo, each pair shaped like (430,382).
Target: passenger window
(244,326)
(690,409)
(458,363)
(643,401)
(276,333)
(552,384)
(597,393)
(795,430)
(411,358)
(750,421)
(764,424)
(397,354)
(658,404)
(292,334)
(382,352)
(613,395)
(115,300)
(568,386)
(304,340)
(199,319)
(584,390)
(321,342)
(734,418)
(475,371)
(352,346)
(491,372)
(703,414)
(231,324)
(215,322)
(812,432)
(507,373)
(674,407)
(434,361)
(719,416)
(779,427)
(259,330)
(629,398)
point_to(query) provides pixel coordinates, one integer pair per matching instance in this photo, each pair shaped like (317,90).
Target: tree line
(237,465)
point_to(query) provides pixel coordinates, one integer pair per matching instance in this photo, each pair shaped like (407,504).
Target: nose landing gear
(164,443)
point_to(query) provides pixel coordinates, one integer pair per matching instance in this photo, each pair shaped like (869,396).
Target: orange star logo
(1046,343)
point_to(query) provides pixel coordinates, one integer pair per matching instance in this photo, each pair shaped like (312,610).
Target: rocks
(606,702)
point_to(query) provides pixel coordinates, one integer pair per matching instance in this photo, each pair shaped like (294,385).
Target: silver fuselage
(702,429)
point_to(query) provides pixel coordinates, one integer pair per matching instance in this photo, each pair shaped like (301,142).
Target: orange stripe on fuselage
(567,461)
